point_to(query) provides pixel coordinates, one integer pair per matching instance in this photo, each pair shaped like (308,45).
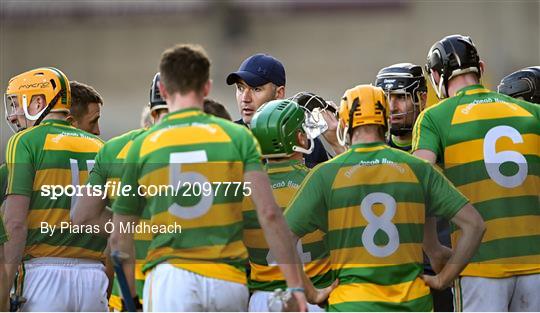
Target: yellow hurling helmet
(361,105)
(46,81)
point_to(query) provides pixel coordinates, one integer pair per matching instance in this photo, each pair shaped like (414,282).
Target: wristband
(296,289)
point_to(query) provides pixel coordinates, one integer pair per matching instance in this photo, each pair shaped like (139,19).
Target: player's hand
(435,282)
(318,296)
(331,120)
(297,303)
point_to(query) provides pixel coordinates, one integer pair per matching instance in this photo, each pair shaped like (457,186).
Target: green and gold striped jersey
(108,167)
(200,160)
(3,182)
(53,154)
(265,275)
(489,147)
(372,201)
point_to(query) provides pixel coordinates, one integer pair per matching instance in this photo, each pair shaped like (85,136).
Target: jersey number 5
(176,176)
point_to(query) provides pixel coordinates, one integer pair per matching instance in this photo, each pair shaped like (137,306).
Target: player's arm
(472,229)
(437,253)
(91,206)
(4,285)
(127,209)
(276,232)
(15,218)
(427,155)
(443,199)
(314,295)
(91,210)
(123,241)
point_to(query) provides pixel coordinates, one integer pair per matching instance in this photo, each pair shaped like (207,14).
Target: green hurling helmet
(276,124)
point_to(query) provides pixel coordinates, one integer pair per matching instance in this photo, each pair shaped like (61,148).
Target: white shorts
(259,303)
(64,284)
(169,288)
(517,293)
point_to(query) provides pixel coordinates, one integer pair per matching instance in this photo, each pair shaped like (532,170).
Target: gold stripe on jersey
(114,188)
(139,275)
(184,115)
(218,172)
(56,176)
(365,292)
(472,112)
(218,215)
(254,238)
(349,176)
(370,149)
(283,195)
(215,252)
(477,91)
(313,237)
(508,227)
(406,212)
(453,155)
(487,189)
(280,170)
(45,250)
(61,142)
(359,257)
(123,153)
(269,273)
(189,135)
(51,216)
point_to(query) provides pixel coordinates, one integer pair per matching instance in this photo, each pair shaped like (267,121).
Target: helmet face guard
(276,125)
(314,106)
(404,79)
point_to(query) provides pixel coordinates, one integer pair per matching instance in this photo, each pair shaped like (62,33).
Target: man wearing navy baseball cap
(260,78)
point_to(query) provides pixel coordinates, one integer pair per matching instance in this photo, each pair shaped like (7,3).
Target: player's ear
(302,140)
(207,87)
(482,67)
(71,120)
(280,92)
(162,91)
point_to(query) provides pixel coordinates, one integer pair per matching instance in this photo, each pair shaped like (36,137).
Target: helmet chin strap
(305,151)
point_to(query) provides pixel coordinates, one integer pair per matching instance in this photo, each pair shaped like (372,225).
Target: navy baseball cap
(258,70)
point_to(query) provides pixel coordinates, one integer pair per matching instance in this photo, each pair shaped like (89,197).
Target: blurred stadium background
(326,46)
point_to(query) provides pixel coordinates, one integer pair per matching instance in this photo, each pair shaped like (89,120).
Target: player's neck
(55,116)
(180,102)
(367,134)
(461,81)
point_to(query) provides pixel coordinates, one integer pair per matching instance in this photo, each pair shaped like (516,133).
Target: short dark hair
(213,107)
(81,96)
(184,68)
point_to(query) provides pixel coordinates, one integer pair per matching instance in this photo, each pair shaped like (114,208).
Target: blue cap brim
(250,78)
